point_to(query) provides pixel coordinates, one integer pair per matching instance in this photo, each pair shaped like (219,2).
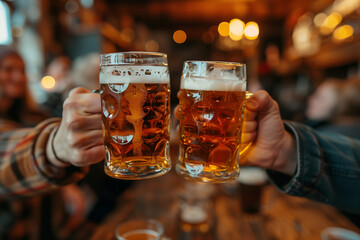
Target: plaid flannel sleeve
(24,168)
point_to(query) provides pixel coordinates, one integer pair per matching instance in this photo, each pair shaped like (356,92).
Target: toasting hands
(79,140)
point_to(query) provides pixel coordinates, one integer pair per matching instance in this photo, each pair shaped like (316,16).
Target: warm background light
(343,32)
(330,23)
(48,82)
(236,28)
(333,20)
(152,46)
(179,36)
(223,29)
(251,30)
(319,19)
(345,7)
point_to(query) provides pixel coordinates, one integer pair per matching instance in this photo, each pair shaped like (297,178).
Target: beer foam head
(213,84)
(134,74)
(252,176)
(213,76)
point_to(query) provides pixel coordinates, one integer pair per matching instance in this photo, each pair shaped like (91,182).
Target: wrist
(51,153)
(287,158)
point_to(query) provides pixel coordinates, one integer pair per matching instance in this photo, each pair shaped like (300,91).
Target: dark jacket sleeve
(328,168)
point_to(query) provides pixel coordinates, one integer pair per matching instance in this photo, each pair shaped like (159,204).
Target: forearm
(328,169)
(24,166)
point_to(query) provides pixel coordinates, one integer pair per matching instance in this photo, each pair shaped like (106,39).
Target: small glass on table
(252,181)
(142,229)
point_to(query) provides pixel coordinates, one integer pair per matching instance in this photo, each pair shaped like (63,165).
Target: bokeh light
(223,29)
(179,36)
(236,28)
(48,82)
(319,19)
(251,30)
(330,23)
(343,32)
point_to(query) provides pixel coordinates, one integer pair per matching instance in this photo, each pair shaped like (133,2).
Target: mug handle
(245,149)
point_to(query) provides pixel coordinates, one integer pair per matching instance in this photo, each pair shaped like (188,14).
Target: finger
(93,122)
(94,154)
(249,115)
(176,111)
(247,138)
(88,140)
(78,90)
(77,122)
(91,103)
(249,126)
(84,124)
(88,103)
(261,101)
(177,131)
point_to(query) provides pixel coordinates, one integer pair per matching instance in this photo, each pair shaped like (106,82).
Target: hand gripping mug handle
(244,149)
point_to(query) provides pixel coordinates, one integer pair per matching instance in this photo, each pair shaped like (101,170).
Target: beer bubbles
(136,108)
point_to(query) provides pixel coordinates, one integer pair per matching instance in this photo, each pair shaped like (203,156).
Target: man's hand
(79,139)
(272,147)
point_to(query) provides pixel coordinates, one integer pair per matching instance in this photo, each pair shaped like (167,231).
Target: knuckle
(275,104)
(74,122)
(72,140)
(77,124)
(82,158)
(69,103)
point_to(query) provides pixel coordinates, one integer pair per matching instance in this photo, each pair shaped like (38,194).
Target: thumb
(262,102)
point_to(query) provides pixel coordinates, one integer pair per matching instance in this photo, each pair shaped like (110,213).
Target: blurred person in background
(55,215)
(323,103)
(86,71)
(348,118)
(335,107)
(29,170)
(17,106)
(60,69)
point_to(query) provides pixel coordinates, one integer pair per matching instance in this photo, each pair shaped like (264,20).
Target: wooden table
(282,216)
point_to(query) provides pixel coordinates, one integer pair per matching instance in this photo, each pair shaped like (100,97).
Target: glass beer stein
(135,99)
(212,96)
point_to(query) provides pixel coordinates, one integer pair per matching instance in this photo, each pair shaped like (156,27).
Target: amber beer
(142,229)
(136,113)
(141,235)
(211,113)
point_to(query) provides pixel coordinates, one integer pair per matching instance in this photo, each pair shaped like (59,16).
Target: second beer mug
(135,98)
(212,96)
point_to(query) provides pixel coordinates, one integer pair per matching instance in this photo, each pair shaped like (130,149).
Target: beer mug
(212,96)
(135,100)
